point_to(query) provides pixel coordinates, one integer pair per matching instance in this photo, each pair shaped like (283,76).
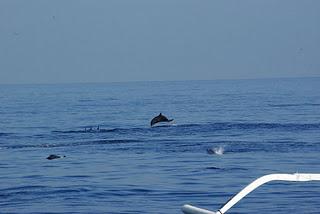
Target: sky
(45,41)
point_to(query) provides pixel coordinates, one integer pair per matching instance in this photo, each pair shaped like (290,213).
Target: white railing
(188,209)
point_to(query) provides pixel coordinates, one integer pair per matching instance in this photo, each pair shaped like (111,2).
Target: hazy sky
(45,41)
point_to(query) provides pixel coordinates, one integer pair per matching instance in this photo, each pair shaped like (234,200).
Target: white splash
(216,150)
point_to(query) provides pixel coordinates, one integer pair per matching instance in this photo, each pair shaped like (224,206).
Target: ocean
(116,163)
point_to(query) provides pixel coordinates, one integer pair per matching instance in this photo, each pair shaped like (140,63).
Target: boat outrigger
(188,209)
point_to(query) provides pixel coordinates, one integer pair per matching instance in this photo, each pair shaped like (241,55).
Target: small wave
(117,130)
(3,134)
(85,143)
(83,131)
(293,105)
(85,100)
(21,188)
(285,126)
(213,168)
(99,130)
(79,131)
(40,190)
(253,126)
(265,146)
(77,176)
(69,132)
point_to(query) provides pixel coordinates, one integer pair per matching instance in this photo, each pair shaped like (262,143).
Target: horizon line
(142,81)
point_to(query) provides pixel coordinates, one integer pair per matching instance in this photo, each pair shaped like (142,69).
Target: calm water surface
(263,126)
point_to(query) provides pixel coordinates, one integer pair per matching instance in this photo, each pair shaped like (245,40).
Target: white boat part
(188,209)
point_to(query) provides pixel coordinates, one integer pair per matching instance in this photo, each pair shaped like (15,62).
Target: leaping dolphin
(160,118)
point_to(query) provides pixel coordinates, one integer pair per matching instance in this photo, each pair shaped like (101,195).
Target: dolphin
(52,157)
(160,118)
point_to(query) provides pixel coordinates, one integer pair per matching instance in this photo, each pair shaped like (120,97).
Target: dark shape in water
(160,118)
(210,151)
(52,157)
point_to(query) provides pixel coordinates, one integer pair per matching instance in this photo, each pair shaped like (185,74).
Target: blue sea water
(260,126)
